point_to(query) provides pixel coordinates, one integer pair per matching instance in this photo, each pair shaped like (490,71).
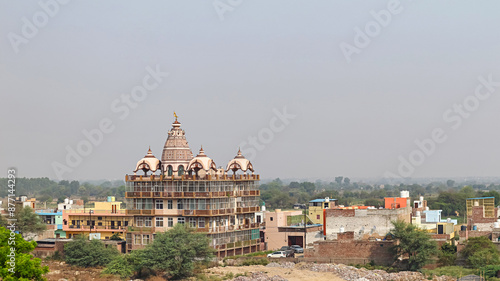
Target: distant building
(54,220)
(481,213)
(365,222)
(317,206)
(100,222)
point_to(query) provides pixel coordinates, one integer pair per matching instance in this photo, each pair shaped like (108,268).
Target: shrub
(480,251)
(85,253)
(249,262)
(119,266)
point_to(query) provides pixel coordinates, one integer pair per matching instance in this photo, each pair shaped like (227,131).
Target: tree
(26,267)
(338,180)
(450,183)
(448,254)
(85,253)
(29,222)
(347,181)
(413,243)
(176,252)
(121,265)
(480,251)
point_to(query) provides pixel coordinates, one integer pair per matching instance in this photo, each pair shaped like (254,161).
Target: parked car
(278,254)
(297,249)
(288,251)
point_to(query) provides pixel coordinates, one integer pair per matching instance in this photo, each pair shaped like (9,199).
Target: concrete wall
(364,223)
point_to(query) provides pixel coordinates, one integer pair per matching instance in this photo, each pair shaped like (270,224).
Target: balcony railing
(238,244)
(190,177)
(190,194)
(94,227)
(242,210)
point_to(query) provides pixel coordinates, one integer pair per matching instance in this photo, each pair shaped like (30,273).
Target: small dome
(239,163)
(148,163)
(201,162)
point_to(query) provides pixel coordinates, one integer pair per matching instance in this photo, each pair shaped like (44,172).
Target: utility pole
(305,227)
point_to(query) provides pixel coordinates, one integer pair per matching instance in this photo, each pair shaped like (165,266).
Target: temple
(192,190)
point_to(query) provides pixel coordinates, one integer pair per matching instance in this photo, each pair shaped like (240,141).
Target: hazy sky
(362,82)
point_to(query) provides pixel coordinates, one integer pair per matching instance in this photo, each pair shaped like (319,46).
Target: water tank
(342,230)
(476,203)
(427,208)
(463,228)
(263,208)
(496,225)
(24,198)
(327,199)
(405,193)
(422,199)
(474,227)
(66,201)
(417,214)
(448,220)
(71,202)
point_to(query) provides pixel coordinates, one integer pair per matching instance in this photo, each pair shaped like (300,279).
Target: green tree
(26,267)
(413,243)
(450,183)
(176,252)
(447,255)
(121,265)
(480,251)
(85,253)
(29,222)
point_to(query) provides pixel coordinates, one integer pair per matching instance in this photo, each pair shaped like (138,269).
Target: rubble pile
(259,276)
(360,274)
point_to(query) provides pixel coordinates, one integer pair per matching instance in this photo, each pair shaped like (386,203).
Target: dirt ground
(291,274)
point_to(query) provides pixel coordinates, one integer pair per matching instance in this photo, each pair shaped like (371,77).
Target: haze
(232,69)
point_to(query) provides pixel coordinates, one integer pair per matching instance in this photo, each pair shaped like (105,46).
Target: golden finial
(175,115)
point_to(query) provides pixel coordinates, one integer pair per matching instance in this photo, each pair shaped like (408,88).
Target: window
(170,222)
(147,221)
(169,204)
(181,220)
(180,206)
(137,239)
(145,239)
(326,206)
(201,222)
(159,204)
(169,171)
(159,222)
(99,218)
(181,170)
(192,222)
(318,217)
(271,218)
(139,221)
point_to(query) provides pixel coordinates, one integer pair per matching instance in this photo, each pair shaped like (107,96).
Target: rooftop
(321,200)
(480,198)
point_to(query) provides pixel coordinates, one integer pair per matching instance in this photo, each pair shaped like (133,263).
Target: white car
(278,254)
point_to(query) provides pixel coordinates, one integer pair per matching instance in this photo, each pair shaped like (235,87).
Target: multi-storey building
(193,191)
(100,222)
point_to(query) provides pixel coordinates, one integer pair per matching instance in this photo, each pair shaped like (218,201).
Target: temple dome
(148,163)
(201,162)
(239,163)
(176,152)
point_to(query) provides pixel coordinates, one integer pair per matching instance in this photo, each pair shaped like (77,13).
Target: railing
(85,212)
(94,227)
(142,212)
(247,209)
(238,244)
(207,212)
(190,177)
(190,194)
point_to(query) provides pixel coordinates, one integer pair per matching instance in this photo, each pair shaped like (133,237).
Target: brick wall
(351,252)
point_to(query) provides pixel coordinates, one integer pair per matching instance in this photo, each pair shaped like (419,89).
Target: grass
(454,271)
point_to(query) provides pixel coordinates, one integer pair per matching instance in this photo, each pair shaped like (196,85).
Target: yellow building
(316,207)
(101,222)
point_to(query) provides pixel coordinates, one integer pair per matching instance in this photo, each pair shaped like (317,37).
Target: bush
(120,266)
(447,255)
(453,271)
(85,253)
(249,262)
(480,251)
